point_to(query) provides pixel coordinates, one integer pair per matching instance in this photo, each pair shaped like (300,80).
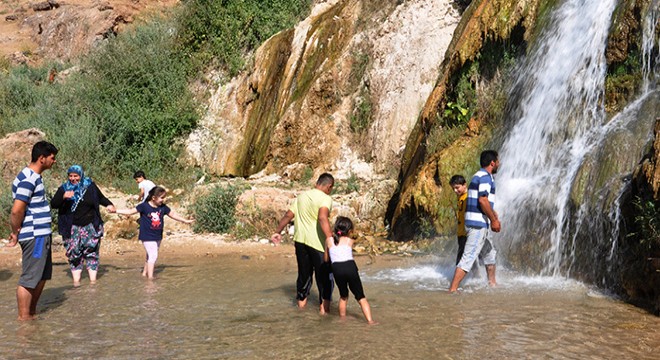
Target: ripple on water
(230,308)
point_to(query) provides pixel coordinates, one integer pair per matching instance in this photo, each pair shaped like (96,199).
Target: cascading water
(551,192)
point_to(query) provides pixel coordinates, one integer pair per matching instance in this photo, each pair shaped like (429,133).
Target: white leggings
(151,248)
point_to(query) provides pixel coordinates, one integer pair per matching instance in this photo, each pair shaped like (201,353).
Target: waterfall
(648,44)
(559,128)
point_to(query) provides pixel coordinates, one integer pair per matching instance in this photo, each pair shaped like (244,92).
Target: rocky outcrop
(65,30)
(297,104)
(15,149)
(484,21)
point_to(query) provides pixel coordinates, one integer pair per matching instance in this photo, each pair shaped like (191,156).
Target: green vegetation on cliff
(130,100)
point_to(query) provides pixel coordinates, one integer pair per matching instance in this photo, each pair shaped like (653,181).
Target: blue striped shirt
(28,187)
(482,184)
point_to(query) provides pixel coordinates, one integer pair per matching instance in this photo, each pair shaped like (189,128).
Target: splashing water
(559,113)
(560,130)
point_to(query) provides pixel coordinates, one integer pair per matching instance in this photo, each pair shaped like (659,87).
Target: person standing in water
(30,222)
(79,222)
(311,211)
(459,185)
(339,248)
(152,221)
(478,216)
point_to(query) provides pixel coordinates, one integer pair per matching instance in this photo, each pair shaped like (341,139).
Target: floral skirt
(83,246)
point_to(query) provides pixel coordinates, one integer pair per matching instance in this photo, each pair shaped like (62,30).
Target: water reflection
(227,307)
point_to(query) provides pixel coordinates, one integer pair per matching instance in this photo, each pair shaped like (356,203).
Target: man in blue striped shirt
(30,227)
(479,214)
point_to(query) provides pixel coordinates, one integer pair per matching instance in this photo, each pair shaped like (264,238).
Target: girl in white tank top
(344,269)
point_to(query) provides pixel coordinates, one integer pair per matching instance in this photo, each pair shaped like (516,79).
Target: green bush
(121,112)
(5,211)
(226,30)
(360,119)
(130,102)
(215,211)
(647,224)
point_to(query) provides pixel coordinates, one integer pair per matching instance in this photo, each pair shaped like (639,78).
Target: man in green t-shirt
(311,211)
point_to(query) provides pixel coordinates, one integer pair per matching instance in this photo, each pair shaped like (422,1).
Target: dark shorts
(37,261)
(347,277)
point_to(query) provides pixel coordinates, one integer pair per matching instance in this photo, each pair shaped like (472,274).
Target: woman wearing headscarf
(79,221)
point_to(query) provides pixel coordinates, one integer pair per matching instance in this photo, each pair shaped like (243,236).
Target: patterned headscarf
(78,189)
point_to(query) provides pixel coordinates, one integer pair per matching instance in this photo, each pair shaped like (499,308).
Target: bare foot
(302,304)
(492,284)
(372,322)
(92,282)
(76,283)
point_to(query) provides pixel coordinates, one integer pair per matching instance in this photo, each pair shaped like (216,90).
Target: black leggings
(310,261)
(346,275)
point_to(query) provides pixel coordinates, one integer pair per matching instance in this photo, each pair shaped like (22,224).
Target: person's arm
(103,200)
(326,253)
(276,238)
(174,215)
(324,221)
(484,204)
(58,199)
(16,220)
(132,211)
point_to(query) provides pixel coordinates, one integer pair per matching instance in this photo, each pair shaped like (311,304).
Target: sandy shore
(185,245)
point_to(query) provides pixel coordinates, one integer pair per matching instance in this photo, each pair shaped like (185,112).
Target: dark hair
(139,174)
(342,226)
(457,180)
(325,179)
(43,148)
(487,156)
(156,191)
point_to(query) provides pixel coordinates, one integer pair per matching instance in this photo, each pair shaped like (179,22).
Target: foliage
(253,221)
(456,111)
(351,185)
(5,210)
(130,102)
(361,116)
(425,228)
(215,211)
(307,174)
(647,223)
(226,30)
(122,112)
(440,137)
(359,68)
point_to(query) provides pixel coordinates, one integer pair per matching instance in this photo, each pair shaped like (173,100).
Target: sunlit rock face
(296,104)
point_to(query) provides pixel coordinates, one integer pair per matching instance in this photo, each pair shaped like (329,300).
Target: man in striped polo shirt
(479,215)
(30,227)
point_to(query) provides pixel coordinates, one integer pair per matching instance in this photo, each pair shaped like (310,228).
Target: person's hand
(68,194)
(276,239)
(111,209)
(495,226)
(13,239)
(189,221)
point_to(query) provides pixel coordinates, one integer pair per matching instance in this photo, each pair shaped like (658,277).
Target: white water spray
(559,116)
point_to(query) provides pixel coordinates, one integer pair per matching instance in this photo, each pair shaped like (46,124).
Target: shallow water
(236,307)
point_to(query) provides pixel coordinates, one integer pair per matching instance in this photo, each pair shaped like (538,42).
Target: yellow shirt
(460,215)
(306,215)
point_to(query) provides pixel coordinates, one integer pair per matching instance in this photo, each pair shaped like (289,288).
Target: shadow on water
(51,299)
(5,275)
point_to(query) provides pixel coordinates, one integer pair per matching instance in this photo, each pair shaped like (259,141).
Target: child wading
(458,184)
(340,249)
(152,212)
